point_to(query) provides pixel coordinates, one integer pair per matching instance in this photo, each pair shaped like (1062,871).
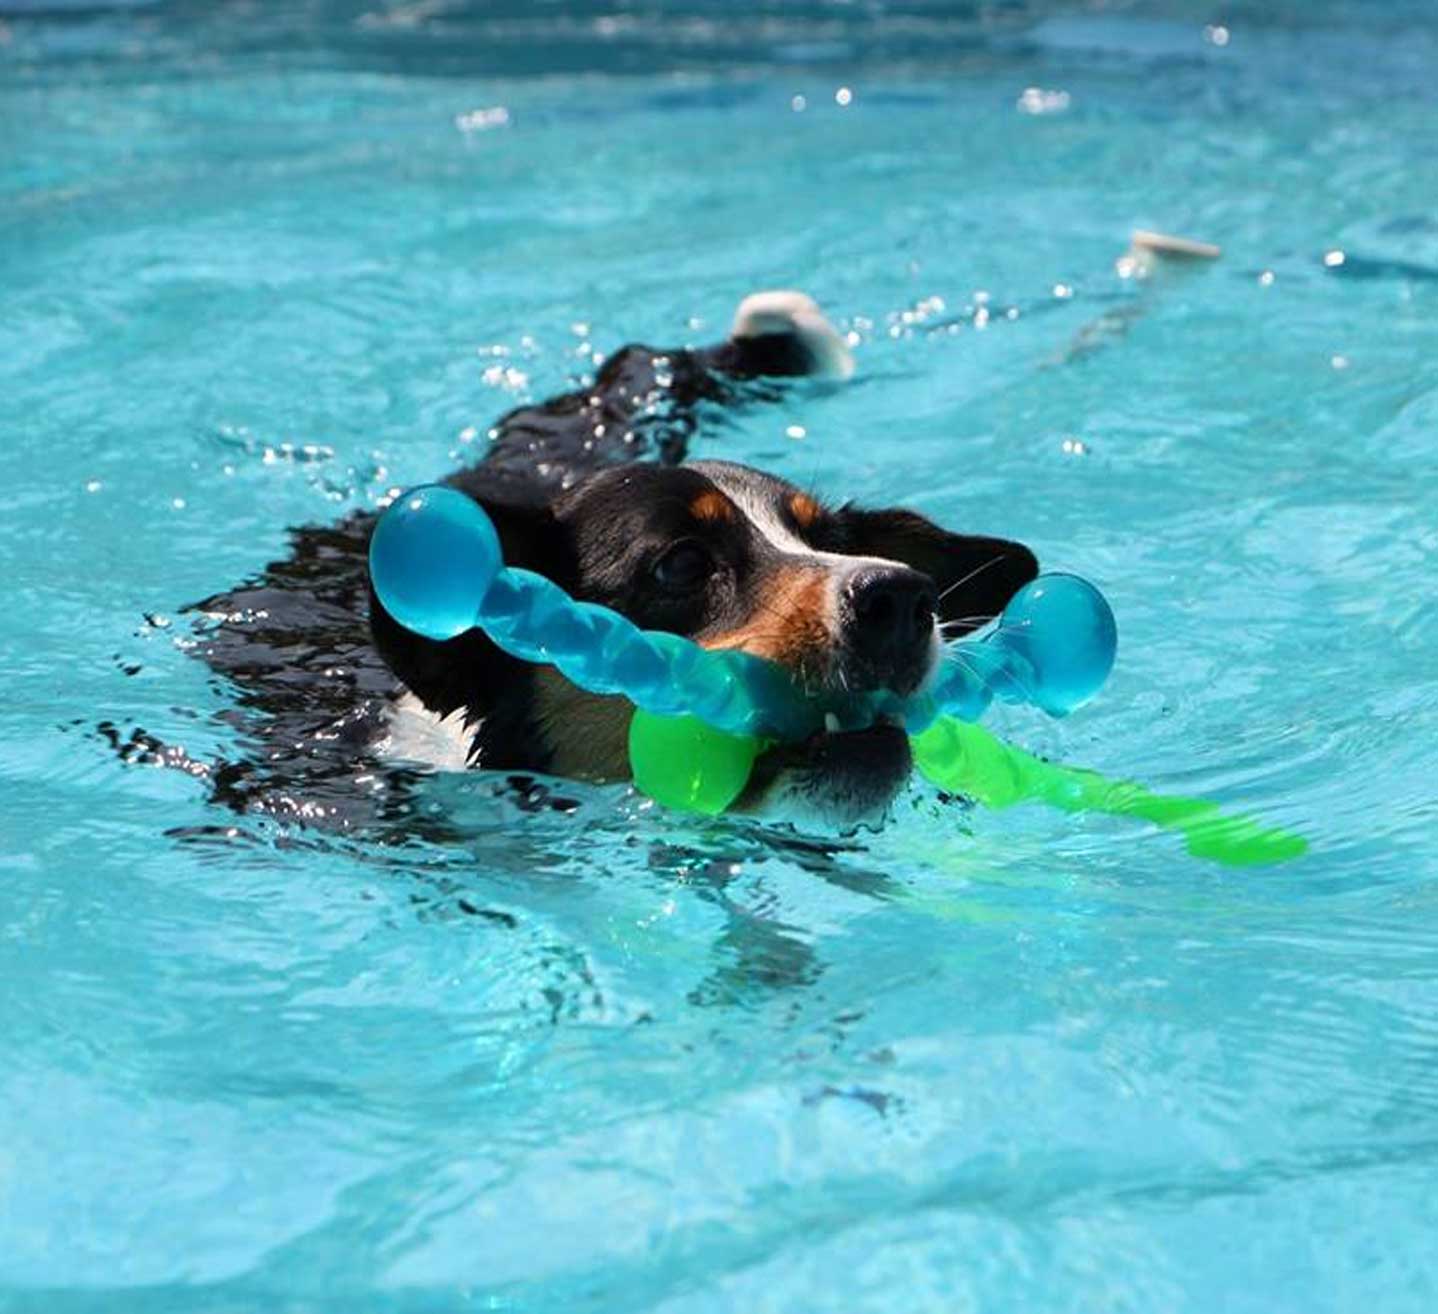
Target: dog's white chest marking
(415,734)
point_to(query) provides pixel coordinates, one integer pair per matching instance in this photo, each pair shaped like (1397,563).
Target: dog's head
(847,599)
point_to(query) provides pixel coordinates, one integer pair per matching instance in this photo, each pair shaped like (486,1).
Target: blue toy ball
(1064,629)
(433,556)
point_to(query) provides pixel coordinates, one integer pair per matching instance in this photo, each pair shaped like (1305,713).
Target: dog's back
(316,696)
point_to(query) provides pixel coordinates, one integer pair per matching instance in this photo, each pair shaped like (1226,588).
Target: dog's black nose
(891,610)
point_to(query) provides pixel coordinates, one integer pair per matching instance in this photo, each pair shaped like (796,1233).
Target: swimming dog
(593,489)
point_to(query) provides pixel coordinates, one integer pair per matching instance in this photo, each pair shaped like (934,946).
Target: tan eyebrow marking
(712,506)
(804,509)
(793,628)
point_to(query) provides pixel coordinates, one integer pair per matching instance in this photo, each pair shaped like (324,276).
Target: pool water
(260,265)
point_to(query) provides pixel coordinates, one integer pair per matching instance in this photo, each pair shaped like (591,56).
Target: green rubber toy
(964,758)
(685,763)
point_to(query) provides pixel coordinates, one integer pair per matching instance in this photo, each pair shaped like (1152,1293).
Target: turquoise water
(259,266)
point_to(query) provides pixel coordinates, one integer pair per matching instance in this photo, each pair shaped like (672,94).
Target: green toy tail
(965,759)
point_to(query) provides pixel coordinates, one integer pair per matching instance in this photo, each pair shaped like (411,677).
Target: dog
(593,489)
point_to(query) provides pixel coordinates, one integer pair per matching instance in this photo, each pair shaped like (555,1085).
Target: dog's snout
(891,612)
(893,606)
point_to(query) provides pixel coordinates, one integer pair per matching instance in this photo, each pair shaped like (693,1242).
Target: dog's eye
(684,566)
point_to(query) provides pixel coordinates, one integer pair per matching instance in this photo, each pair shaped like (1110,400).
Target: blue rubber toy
(436,566)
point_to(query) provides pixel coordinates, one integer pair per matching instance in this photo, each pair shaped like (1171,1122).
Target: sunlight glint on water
(581,1055)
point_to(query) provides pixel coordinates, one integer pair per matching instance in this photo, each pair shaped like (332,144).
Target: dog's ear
(975,576)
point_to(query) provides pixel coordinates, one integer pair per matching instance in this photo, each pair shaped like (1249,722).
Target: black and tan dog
(590,489)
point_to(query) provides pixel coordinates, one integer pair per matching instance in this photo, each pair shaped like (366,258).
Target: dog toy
(968,760)
(702,716)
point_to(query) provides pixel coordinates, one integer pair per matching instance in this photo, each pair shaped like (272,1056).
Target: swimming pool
(261,267)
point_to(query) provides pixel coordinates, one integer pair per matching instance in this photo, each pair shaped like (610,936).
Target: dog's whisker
(976,571)
(958,656)
(955,651)
(963,622)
